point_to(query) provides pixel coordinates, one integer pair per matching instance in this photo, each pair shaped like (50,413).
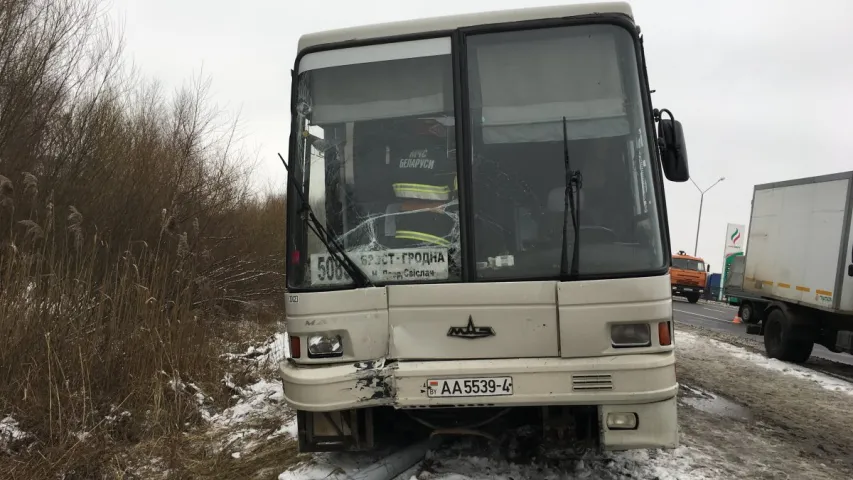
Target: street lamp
(701,200)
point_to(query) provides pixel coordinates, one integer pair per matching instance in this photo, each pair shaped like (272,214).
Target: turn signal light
(295,347)
(663,334)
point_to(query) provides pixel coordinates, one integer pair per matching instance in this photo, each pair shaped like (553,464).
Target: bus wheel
(785,341)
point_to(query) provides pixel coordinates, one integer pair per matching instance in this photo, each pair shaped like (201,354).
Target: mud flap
(574,428)
(755,329)
(337,431)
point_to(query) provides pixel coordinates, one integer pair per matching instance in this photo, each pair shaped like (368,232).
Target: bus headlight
(630,335)
(621,421)
(325,345)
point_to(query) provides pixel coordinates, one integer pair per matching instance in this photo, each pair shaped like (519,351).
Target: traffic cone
(737,319)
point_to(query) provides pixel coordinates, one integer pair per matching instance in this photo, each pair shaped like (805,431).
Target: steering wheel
(597,228)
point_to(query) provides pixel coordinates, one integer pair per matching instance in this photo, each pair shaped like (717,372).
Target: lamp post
(701,201)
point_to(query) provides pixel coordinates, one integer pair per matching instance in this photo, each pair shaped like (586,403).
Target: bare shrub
(128,235)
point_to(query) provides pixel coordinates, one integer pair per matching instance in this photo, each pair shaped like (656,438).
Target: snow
(11,433)
(458,462)
(261,398)
(268,354)
(251,420)
(288,429)
(239,429)
(329,467)
(115,415)
(255,401)
(824,381)
(682,463)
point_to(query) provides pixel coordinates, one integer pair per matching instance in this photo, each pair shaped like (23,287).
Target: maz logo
(470,331)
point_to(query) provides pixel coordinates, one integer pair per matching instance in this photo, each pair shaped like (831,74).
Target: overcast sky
(763,88)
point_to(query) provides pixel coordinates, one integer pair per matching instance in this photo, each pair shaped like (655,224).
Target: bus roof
(450,22)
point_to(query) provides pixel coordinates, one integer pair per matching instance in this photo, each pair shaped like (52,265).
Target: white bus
(476,225)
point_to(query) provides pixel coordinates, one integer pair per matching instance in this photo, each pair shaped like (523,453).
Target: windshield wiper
(335,249)
(571,196)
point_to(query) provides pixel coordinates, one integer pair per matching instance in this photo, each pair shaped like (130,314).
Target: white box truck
(795,284)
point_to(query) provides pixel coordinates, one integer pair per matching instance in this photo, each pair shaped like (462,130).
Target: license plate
(469,387)
(688,289)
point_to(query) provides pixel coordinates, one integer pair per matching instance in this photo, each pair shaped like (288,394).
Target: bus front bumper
(643,385)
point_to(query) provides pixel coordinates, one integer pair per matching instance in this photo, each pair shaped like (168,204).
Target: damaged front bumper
(619,379)
(643,385)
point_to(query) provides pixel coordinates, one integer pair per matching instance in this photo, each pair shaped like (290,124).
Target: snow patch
(276,349)
(156,468)
(825,381)
(287,429)
(244,426)
(332,466)
(685,339)
(257,401)
(115,415)
(11,433)
(682,463)
(260,399)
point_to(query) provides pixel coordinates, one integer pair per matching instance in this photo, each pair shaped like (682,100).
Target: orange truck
(688,275)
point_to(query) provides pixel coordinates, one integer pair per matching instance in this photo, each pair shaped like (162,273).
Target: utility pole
(701,202)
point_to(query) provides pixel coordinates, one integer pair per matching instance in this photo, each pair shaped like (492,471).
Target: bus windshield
(376,131)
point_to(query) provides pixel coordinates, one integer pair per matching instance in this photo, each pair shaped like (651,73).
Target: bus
(477,227)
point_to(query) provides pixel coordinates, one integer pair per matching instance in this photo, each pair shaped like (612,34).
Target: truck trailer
(476,225)
(794,286)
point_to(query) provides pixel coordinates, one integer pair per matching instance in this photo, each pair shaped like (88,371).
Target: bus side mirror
(708,268)
(673,150)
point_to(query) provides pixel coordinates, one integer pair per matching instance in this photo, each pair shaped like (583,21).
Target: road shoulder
(810,422)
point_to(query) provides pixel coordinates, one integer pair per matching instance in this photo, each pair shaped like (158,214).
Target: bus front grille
(588,382)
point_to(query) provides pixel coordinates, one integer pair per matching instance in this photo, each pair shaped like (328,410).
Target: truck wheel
(785,341)
(748,314)
(692,297)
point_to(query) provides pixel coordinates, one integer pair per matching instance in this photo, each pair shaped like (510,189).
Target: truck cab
(476,224)
(688,275)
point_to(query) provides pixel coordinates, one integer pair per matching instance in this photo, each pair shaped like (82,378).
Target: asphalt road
(715,316)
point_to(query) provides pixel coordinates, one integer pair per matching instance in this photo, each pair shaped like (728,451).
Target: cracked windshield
(380,161)
(558,159)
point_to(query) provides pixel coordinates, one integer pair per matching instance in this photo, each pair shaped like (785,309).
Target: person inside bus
(422,169)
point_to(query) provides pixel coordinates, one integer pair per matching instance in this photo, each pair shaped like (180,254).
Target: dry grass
(129,243)
(110,350)
(203,456)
